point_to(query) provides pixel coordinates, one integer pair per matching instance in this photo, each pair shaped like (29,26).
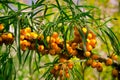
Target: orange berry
(67,75)
(52,40)
(109,62)
(87,54)
(40,48)
(88,41)
(1,27)
(99,64)
(94,56)
(89,47)
(114,57)
(61,72)
(58,40)
(84,30)
(24,43)
(74,52)
(52,51)
(100,69)
(56,67)
(89,36)
(54,45)
(4,36)
(55,35)
(94,64)
(70,50)
(33,35)
(58,49)
(23,48)
(64,66)
(9,36)
(48,39)
(70,65)
(74,45)
(22,37)
(62,60)
(28,29)
(93,42)
(115,73)
(89,62)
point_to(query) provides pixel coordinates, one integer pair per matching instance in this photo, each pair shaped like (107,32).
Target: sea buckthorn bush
(57,40)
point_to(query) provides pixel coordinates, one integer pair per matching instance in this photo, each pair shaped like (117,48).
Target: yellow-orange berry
(89,47)
(114,57)
(94,56)
(40,48)
(94,64)
(89,62)
(74,45)
(33,35)
(28,29)
(61,72)
(22,37)
(115,73)
(70,65)
(84,30)
(55,35)
(62,60)
(93,42)
(52,51)
(74,52)
(89,36)
(87,54)
(54,45)
(1,27)
(100,69)
(67,75)
(109,62)
(56,67)
(9,36)
(58,40)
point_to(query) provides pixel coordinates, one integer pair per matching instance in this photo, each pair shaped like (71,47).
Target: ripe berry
(115,73)
(109,62)
(84,30)
(92,42)
(114,57)
(55,35)
(67,75)
(94,56)
(56,67)
(89,36)
(52,51)
(74,45)
(94,64)
(40,48)
(28,29)
(70,65)
(1,27)
(89,47)
(89,62)
(87,54)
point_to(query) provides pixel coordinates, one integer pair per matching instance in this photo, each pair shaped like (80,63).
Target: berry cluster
(5,37)
(62,69)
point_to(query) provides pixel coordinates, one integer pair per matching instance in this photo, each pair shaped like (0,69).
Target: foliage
(55,40)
